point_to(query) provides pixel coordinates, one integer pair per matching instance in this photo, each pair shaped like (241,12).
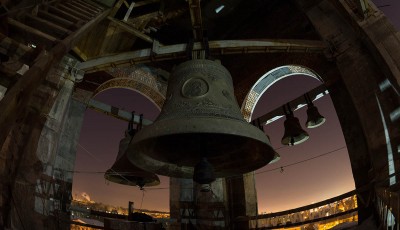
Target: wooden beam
(137,4)
(115,112)
(83,7)
(48,27)
(16,50)
(116,8)
(64,14)
(80,54)
(127,4)
(128,13)
(145,2)
(131,30)
(56,19)
(75,13)
(91,4)
(195,16)
(364,7)
(145,17)
(80,10)
(32,30)
(14,102)
(223,47)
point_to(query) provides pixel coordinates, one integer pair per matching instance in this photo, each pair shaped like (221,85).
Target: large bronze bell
(124,172)
(200,120)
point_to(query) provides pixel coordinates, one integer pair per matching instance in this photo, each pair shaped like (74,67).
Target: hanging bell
(314,118)
(124,172)
(294,134)
(200,120)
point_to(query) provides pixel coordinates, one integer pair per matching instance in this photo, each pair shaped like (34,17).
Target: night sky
(298,185)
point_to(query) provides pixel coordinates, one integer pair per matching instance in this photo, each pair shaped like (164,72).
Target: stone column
(366,52)
(242,200)
(190,207)
(43,187)
(68,144)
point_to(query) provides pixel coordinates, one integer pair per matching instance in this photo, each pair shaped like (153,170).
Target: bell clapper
(205,188)
(203,172)
(141,183)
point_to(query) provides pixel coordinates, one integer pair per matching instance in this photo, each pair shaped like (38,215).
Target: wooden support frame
(128,13)
(195,16)
(80,10)
(223,47)
(74,13)
(91,5)
(145,17)
(364,7)
(56,19)
(63,14)
(78,4)
(131,30)
(15,49)
(49,27)
(81,54)
(145,2)
(13,105)
(32,30)
(115,112)
(117,5)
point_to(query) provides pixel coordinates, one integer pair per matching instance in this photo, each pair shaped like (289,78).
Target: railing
(387,203)
(329,212)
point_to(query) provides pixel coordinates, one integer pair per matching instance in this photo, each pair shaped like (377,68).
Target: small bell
(314,118)
(294,134)
(123,171)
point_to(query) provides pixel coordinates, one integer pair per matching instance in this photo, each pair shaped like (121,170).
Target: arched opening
(97,150)
(267,80)
(313,171)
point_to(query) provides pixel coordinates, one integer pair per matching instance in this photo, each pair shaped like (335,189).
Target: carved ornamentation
(142,74)
(128,83)
(268,80)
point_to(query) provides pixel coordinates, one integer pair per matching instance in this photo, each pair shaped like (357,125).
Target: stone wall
(366,52)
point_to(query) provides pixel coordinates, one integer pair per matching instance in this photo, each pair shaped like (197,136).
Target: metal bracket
(202,53)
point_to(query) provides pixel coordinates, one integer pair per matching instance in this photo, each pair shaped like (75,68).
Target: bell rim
(310,124)
(118,179)
(162,128)
(302,140)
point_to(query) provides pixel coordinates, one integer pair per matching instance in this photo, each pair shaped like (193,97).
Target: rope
(141,203)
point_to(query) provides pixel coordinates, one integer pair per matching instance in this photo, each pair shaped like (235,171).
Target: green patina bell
(200,119)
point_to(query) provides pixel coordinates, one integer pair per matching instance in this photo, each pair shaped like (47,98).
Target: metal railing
(343,206)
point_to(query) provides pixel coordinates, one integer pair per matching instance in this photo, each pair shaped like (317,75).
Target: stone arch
(267,80)
(141,79)
(127,83)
